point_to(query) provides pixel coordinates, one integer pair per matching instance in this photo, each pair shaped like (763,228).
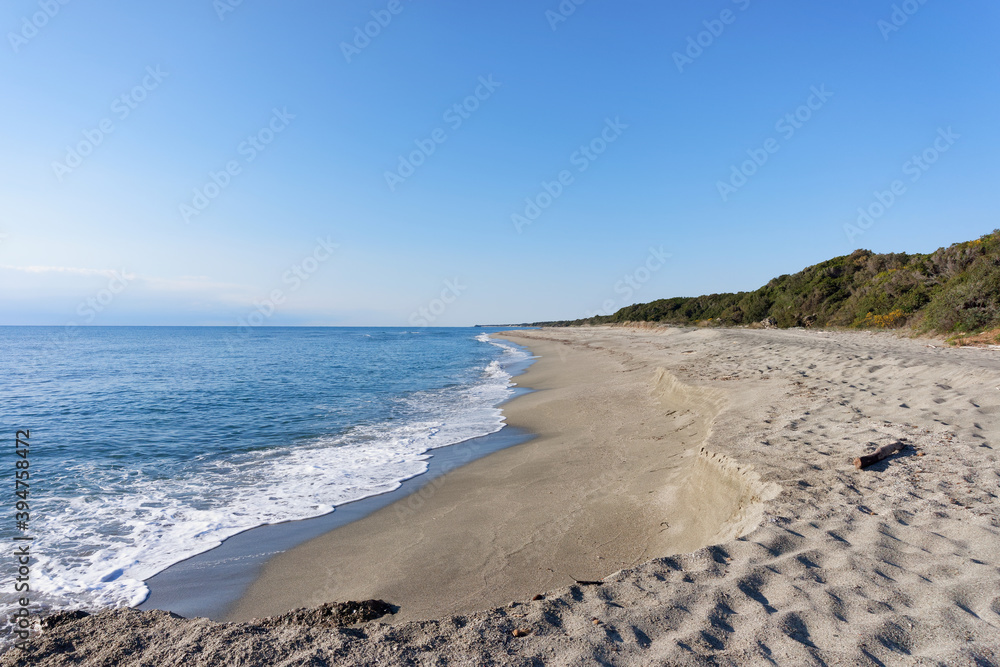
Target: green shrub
(954,289)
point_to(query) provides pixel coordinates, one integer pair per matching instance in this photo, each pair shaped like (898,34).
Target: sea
(149,445)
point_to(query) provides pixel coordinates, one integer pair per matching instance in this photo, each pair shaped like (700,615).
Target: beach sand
(592,494)
(654,443)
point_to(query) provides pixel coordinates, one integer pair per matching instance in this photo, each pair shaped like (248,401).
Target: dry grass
(983,339)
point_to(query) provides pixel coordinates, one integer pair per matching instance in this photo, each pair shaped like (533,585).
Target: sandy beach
(703,476)
(595,492)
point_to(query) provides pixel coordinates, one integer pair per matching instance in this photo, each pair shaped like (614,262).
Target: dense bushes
(954,289)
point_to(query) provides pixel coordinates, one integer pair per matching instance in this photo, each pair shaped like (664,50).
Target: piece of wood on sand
(883,452)
(585,582)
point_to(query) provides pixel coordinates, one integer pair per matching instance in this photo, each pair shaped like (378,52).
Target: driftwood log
(883,452)
(584,582)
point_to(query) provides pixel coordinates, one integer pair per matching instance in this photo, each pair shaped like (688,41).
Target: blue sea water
(152,444)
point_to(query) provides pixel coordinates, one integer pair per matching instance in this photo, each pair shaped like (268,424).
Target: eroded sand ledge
(814,561)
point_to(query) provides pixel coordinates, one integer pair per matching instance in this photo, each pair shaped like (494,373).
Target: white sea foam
(98,549)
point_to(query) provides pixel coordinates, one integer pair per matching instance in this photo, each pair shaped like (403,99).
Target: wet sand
(593,493)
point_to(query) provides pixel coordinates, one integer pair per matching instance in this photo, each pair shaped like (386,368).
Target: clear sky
(200,162)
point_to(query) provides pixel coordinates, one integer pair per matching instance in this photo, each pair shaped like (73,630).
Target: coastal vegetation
(953,290)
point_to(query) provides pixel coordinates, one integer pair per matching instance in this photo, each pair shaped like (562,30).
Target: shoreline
(209,583)
(567,505)
(819,563)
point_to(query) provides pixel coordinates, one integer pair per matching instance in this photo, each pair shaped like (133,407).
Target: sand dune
(811,561)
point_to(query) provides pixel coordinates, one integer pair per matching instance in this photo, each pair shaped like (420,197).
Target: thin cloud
(227,292)
(107,273)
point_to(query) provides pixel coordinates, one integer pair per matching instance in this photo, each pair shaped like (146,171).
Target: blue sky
(252,171)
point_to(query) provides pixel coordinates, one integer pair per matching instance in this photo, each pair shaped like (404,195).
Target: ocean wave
(100,547)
